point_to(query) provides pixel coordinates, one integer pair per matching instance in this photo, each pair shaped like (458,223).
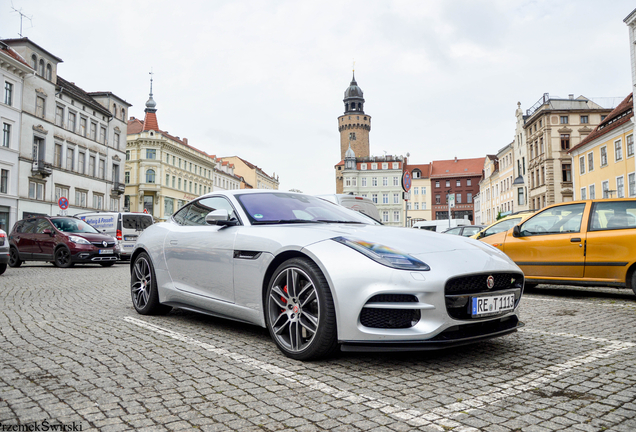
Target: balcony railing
(41,167)
(119,188)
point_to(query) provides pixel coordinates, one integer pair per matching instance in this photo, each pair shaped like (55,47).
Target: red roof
(457,167)
(620,115)
(425,169)
(11,53)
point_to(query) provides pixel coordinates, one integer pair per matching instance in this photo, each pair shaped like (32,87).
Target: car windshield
(71,225)
(277,207)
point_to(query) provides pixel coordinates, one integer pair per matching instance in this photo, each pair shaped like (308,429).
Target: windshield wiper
(285,221)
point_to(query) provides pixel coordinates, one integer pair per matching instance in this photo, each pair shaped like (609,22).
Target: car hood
(92,237)
(406,240)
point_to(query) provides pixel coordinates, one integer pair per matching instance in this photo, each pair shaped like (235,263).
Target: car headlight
(79,240)
(384,255)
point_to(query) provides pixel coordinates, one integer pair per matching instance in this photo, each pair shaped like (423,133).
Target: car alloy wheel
(14,258)
(299,311)
(63,258)
(143,287)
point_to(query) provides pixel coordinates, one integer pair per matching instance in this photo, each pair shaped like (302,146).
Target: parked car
(590,242)
(4,251)
(440,225)
(465,230)
(494,233)
(64,241)
(124,226)
(320,276)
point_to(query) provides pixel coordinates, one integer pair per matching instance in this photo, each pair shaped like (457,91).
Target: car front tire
(63,258)
(3,268)
(14,258)
(299,311)
(143,287)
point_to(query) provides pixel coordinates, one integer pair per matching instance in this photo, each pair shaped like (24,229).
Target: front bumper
(91,254)
(4,257)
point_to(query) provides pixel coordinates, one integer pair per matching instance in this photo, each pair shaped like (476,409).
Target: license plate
(105,251)
(492,304)
(130,237)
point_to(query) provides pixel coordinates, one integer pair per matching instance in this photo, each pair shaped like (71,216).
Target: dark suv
(63,241)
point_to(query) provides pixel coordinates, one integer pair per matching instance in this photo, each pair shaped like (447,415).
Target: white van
(124,226)
(440,225)
(354,202)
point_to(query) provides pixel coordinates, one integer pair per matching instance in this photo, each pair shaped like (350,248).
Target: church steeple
(353,97)
(150,120)
(354,125)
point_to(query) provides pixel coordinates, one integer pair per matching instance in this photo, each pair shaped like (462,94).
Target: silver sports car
(321,277)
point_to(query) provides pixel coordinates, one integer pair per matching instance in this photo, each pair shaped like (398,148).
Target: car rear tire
(299,311)
(14,258)
(143,287)
(634,281)
(3,268)
(63,258)
(107,264)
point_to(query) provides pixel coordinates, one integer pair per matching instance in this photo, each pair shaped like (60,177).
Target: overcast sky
(264,80)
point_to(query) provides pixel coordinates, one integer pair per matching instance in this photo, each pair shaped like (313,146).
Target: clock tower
(354,125)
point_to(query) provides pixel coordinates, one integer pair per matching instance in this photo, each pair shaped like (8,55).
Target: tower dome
(353,98)
(350,153)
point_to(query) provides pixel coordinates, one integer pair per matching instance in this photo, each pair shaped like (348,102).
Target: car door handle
(173,242)
(575,240)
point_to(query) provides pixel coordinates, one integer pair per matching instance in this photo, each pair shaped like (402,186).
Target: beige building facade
(252,174)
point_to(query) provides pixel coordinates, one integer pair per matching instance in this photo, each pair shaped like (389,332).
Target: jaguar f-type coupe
(322,277)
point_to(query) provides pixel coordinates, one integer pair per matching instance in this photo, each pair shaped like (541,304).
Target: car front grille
(101,244)
(375,317)
(459,290)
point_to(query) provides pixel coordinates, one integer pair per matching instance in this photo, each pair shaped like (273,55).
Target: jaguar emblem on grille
(105,243)
(490,282)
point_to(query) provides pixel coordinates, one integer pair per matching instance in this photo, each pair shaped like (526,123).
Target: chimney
(185,140)
(455,159)
(571,96)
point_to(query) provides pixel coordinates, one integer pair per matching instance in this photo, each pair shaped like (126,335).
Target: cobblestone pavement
(75,353)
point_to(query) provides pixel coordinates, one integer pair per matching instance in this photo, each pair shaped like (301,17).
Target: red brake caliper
(283,298)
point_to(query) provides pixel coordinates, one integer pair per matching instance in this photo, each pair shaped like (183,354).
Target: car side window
(468,231)
(610,215)
(454,231)
(42,225)
(194,213)
(556,220)
(501,226)
(28,226)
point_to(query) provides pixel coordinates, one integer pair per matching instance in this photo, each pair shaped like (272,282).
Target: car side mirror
(48,231)
(480,235)
(219,217)
(516,231)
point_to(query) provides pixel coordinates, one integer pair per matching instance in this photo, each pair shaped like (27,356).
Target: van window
(429,228)
(137,222)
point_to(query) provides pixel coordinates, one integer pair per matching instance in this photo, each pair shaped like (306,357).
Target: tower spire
(150,120)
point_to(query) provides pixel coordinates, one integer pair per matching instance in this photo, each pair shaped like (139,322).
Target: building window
(447,183)
(630,146)
(81,156)
(82,130)
(80,198)
(582,165)
(116,141)
(618,150)
(91,166)
(127,154)
(374,181)
(520,196)
(364,181)
(127,177)
(385,166)
(98,201)
(564,119)
(605,188)
(354,182)
(416,190)
(61,192)
(592,189)
(396,198)
(347,181)
(459,183)
(71,121)
(59,116)
(458,198)
(396,165)
(603,117)
(36,190)
(150,176)
(631,181)
(102,134)
(93,131)
(603,156)
(41,68)
(590,162)
(151,153)
(8,93)
(385,216)
(363,167)
(374,197)
(4,181)
(352,136)
(438,199)
(70,158)
(102,169)
(374,166)
(396,181)
(565,141)
(6,135)
(385,181)
(566,169)
(174,179)
(179,183)
(396,216)
(620,187)
(39,107)
(583,193)
(437,184)
(385,198)
(584,119)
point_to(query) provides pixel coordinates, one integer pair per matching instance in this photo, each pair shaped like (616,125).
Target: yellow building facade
(604,163)
(252,174)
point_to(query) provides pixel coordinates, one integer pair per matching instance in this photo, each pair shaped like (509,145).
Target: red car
(64,241)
